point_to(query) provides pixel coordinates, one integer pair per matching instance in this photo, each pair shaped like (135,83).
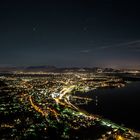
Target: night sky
(70,33)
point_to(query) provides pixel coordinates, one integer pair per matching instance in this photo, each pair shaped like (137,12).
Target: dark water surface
(120,105)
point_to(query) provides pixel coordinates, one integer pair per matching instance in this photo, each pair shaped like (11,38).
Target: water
(120,105)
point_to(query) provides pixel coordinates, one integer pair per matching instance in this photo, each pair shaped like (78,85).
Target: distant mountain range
(49,68)
(27,68)
(46,68)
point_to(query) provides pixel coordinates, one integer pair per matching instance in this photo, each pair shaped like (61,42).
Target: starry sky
(70,33)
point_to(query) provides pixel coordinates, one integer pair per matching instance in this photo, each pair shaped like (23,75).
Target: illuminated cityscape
(46,106)
(69,70)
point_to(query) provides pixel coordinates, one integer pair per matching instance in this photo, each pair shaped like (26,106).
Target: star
(34,29)
(85,29)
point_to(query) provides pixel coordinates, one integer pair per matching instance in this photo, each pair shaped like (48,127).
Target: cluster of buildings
(39,103)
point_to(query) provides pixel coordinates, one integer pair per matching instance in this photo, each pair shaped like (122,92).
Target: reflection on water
(120,105)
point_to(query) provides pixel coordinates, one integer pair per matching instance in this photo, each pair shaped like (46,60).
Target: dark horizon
(91,33)
(20,67)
